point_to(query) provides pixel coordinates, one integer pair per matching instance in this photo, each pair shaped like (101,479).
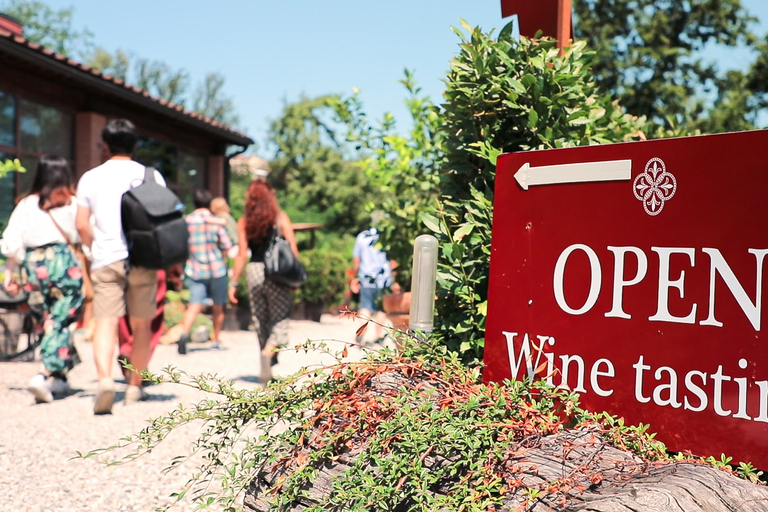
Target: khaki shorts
(113,291)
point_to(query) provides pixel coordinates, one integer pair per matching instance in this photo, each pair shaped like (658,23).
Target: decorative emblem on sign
(654,186)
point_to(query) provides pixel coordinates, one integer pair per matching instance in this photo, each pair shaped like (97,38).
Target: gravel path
(38,441)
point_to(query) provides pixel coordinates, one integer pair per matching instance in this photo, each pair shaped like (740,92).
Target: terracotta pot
(397,306)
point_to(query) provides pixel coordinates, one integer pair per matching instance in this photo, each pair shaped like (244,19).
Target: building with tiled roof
(52,104)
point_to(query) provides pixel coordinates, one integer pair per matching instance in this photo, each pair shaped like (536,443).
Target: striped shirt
(208,242)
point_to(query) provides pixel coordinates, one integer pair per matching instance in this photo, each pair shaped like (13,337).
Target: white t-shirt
(101,190)
(31,227)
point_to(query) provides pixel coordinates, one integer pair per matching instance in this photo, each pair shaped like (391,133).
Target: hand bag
(85,265)
(280,264)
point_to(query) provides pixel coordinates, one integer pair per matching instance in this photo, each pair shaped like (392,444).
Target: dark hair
(120,136)
(53,182)
(202,198)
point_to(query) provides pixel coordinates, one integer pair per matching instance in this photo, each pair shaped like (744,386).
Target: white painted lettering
(763,385)
(742,383)
(717,399)
(639,368)
(718,265)
(566,372)
(696,390)
(595,282)
(662,311)
(595,373)
(515,364)
(619,283)
(671,386)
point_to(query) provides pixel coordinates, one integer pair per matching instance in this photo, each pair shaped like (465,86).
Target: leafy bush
(176,305)
(503,95)
(402,170)
(326,274)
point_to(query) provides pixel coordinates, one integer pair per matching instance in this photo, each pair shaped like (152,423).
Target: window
(27,131)
(183,170)
(7,194)
(44,130)
(7,117)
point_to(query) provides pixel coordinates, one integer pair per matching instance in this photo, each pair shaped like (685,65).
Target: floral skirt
(55,282)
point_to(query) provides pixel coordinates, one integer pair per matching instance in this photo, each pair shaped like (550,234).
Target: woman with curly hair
(38,238)
(270,301)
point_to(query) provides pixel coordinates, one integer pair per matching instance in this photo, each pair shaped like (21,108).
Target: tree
(403,170)
(49,27)
(54,29)
(316,183)
(158,79)
(114,64)
(648,55)
(209,100)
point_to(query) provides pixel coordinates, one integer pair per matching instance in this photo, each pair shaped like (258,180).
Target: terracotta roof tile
(117,81)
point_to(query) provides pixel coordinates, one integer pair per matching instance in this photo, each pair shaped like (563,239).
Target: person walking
(220,208)
(270,301)
(125,336)
(40,237)
(206,269)
(117,286)
(374,273)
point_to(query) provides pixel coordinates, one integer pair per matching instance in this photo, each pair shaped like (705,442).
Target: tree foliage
(402,169)
(650,55)
(315,181)
(49,27)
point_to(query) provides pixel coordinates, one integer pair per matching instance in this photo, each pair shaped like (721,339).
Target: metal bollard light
(423,282)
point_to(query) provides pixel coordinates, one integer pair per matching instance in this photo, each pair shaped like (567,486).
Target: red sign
(533,15)
(638,270)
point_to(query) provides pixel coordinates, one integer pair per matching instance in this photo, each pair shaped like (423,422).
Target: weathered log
(574,470)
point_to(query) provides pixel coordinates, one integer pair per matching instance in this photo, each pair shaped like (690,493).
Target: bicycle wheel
(29,328)
(8,342)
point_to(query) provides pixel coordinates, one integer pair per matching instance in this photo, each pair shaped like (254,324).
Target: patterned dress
(55,283)
(270,306)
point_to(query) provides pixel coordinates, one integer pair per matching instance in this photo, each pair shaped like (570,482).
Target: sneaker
(40,386)
(183,340)
(105,395)
(134,394)
(60,386)
(216,345)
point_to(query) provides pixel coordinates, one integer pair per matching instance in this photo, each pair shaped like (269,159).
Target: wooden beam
(563,24)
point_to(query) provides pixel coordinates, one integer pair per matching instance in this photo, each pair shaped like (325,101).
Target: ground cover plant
(413,429)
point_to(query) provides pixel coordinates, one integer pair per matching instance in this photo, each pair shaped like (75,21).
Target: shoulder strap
(149,174)
(63,234)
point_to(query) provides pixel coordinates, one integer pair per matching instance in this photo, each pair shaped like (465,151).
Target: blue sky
(273,51)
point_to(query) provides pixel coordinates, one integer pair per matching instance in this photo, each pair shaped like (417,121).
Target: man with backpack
(117,285)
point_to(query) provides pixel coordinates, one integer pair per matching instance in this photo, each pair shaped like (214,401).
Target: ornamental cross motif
(654,186)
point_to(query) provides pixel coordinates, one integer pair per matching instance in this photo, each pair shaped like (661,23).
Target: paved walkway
(38,441)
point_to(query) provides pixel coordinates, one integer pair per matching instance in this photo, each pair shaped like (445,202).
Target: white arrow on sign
(611,170)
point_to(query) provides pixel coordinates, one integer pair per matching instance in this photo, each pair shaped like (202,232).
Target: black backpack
(154,225)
